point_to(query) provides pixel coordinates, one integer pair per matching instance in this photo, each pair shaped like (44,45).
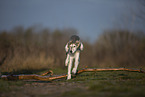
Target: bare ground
(100,84)
(42,89)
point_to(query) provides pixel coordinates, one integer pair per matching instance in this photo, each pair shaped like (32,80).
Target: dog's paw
(68,77)
(74,71)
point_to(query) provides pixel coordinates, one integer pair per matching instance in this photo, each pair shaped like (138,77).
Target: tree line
(38,49)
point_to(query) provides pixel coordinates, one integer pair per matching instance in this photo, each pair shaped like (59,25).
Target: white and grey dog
(73,48)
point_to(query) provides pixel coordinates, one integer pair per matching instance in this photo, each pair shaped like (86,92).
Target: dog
(73,48)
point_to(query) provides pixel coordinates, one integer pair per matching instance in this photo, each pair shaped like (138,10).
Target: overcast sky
(88,17)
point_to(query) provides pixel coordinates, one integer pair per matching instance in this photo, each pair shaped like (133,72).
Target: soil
(42,89)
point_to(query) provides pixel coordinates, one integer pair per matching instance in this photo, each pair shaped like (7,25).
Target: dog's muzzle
(72,49)
(72,52)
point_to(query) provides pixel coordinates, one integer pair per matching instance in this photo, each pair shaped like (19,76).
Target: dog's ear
(78,43)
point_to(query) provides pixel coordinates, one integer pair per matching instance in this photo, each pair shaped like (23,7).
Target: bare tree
(138,14)
(141,10)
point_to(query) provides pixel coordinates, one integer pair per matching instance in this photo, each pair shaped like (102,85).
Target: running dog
(73,48)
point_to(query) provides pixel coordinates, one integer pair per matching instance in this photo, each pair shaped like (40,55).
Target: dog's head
(72,48)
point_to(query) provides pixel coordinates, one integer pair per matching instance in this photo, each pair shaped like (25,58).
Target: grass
(88,84)
(110,84)
(59,71)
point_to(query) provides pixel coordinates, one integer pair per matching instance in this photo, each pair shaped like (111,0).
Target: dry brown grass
(27,49)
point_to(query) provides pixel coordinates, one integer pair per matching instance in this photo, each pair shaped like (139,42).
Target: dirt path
(42,89)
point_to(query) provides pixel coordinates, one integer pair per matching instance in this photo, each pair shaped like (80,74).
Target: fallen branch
(50,77)
(110,69)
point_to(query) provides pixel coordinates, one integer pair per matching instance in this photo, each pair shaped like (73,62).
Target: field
(28,51)
(88,84)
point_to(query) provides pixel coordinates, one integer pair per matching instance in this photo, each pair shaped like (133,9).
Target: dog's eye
(74,46)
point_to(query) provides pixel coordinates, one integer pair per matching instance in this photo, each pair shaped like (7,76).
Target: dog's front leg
(67,60)
(69,67)
(77,57)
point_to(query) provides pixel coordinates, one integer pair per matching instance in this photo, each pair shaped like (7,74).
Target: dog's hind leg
(77,54)
(69,68)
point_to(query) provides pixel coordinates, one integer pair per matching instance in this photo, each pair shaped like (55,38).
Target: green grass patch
(109,88)
(110,84)
(59,71)
(111,75)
